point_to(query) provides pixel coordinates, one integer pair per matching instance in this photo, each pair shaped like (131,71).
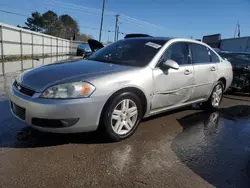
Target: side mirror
(171,64)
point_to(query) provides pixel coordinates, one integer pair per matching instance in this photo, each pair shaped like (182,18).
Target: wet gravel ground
(184,148)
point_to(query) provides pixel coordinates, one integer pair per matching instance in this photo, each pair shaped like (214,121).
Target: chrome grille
(23,89)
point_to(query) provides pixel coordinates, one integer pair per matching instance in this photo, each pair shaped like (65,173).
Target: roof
(150,38)
(132,35)
(228,52)
(166,39)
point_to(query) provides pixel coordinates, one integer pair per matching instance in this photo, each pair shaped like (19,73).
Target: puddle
(213,145)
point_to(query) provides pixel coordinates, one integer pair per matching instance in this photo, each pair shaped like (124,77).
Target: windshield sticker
(154,45)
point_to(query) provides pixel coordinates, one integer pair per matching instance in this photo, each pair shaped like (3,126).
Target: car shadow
(16,134)
(234,97)
(240,94)
(216,145)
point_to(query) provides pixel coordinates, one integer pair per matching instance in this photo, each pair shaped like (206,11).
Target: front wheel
(122,116)
(215,97)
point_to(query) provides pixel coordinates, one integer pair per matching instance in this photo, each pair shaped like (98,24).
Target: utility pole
(117,34)
(235,30)
(103,7)
(116,25)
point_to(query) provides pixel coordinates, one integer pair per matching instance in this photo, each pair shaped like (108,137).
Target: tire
(115,109)
(212,103)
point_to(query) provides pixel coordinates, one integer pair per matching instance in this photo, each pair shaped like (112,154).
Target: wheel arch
(131,89)
(224,81)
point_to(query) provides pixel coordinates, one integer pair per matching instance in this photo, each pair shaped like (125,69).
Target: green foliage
(50,23)
(35,22)
(71,27)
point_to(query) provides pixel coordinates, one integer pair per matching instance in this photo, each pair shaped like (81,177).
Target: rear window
(214,57)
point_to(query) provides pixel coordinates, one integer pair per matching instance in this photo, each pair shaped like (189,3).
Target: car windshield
(237,58)
(131,52)
(85,47)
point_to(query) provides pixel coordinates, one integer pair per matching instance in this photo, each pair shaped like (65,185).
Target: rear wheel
(215,97)
(121,116)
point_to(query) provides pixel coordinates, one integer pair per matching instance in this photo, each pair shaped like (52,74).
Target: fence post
(21,49)
(70,46)
(51,47)
(32,49)
(2,51)
(43,49)
(57,49)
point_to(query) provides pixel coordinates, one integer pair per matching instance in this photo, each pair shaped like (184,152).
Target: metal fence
(18,42)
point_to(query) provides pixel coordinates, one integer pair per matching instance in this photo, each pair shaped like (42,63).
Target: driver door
(173,87)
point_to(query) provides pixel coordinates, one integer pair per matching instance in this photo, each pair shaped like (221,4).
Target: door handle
(187,72)
(213,69)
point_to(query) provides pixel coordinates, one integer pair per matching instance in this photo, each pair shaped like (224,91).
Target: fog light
(54,123)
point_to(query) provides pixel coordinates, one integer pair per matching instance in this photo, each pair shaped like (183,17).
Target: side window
(177,52)
(214,57)
(200,53)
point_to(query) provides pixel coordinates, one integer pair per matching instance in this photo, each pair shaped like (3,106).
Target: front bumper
(86,110)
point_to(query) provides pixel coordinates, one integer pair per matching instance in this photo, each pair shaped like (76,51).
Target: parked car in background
(118,85)
(83,49)
(241,70)
(87,49)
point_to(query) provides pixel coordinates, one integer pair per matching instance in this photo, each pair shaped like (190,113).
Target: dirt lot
(184,148)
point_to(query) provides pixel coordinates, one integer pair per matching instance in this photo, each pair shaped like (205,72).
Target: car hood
(41,78)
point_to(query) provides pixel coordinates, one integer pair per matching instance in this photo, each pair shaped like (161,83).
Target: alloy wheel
(124,117)
(217,95)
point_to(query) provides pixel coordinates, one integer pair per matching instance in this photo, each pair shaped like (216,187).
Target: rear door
(205,70)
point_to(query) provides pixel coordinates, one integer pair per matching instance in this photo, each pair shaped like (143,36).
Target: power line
(140,21)
(77,7)
(14,13)
(89,10)
(95,28)
(137,23)
(18,14)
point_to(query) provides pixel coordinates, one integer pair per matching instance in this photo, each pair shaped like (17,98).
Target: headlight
(69,90)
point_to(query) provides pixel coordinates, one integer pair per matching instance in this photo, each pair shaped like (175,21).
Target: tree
(23,27)
(50,23)
(35,22)
(63,26)
(71,27)
(83,37)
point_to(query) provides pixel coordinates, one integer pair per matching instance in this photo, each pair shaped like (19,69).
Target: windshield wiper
(102,60)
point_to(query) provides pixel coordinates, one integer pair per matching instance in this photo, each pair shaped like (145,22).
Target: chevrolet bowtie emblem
(19,88)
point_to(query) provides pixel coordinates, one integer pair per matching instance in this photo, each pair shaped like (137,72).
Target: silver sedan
(118,85)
